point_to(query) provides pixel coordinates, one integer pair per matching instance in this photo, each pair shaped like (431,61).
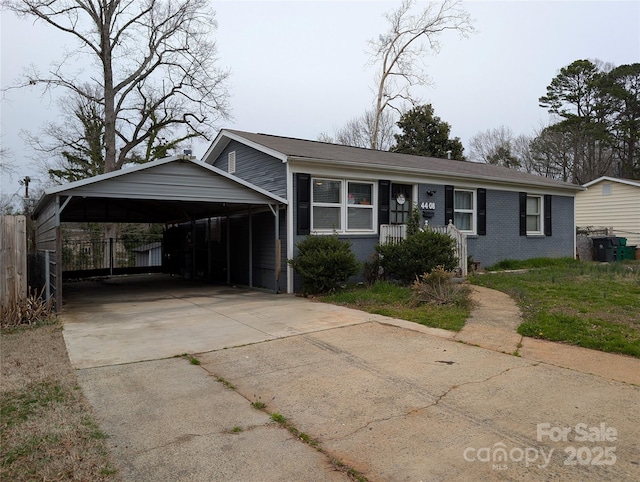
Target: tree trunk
(109,95)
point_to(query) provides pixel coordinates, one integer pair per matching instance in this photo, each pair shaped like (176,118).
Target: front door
(400,204)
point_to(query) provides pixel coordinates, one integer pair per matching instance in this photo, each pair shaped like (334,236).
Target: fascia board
(110,175)
(308,165)
(223,138)
(216,147)
(611,179)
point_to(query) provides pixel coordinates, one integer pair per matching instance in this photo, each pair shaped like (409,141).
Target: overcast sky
(299,68)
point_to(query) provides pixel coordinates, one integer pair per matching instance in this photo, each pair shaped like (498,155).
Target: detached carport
(171,191)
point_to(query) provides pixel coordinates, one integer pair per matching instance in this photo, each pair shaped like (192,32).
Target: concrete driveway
(377,398)
(148,317)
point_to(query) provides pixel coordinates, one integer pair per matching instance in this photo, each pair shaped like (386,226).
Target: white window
(464,210)
(606,189)
(534,214)
(342,206)
(327,205)
(359,206)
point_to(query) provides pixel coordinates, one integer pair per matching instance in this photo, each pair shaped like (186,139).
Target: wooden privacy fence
(13,258)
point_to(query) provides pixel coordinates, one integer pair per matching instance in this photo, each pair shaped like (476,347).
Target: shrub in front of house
(420,253)
(437,288)
(324,263)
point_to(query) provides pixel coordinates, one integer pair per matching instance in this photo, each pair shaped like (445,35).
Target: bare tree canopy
(152,70)
(7,164)
(399,53)
(358,132)
(499,146)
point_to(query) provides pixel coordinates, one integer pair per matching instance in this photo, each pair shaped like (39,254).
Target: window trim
(540,214)
(344,206)
(473,211)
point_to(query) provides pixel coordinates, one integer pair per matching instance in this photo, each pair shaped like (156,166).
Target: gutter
(443,174)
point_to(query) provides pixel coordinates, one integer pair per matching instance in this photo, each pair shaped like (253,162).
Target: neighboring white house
(609,202)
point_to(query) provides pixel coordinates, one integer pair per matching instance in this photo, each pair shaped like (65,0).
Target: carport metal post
(209,251)
(193,249)
(228,250)
(250,246)
(110,256)
(276,213)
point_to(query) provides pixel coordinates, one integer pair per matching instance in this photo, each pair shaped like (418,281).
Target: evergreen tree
(425,134)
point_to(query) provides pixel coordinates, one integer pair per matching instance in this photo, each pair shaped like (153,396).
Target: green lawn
(396,301)
(593,305)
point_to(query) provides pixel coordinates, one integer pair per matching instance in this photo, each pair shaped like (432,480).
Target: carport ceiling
(169,190)
(143,210)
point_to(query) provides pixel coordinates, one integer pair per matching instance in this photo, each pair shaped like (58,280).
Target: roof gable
(153,192)
(629,182)
(169,179)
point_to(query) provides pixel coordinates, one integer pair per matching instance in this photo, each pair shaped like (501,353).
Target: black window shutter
(547,215)
(523,213)
(482,211)
(448,204)
(384,198)
(303,203)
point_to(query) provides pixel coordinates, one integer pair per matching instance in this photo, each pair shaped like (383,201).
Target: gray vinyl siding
(255,167)
(263,257)
(46,227)
(173,181)
(48,239)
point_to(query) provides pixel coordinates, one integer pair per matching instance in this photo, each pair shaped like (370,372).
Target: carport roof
(168,190)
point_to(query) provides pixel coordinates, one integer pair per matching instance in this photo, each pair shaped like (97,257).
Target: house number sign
(428,205)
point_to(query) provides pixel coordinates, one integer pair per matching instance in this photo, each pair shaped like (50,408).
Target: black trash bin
(606,248)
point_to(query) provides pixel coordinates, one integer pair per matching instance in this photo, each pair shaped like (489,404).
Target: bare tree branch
(400,52)
(154,71)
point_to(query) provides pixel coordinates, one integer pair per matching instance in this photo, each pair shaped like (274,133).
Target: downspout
(290,208)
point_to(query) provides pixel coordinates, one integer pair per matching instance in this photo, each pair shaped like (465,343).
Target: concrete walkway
(493,325)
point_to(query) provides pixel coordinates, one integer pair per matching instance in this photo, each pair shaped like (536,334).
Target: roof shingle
(323,151)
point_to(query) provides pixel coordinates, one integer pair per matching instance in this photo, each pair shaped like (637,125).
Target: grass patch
(396,301)
(18,406)
(226,383)
(278,418)
(339,465)
(592,305)
(508,264)
(47,431)
(193,360)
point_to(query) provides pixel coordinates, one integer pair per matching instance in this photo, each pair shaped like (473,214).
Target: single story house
(236,215)
(354,191)
(609,202)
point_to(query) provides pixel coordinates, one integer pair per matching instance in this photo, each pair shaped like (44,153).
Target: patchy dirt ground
(47,430)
